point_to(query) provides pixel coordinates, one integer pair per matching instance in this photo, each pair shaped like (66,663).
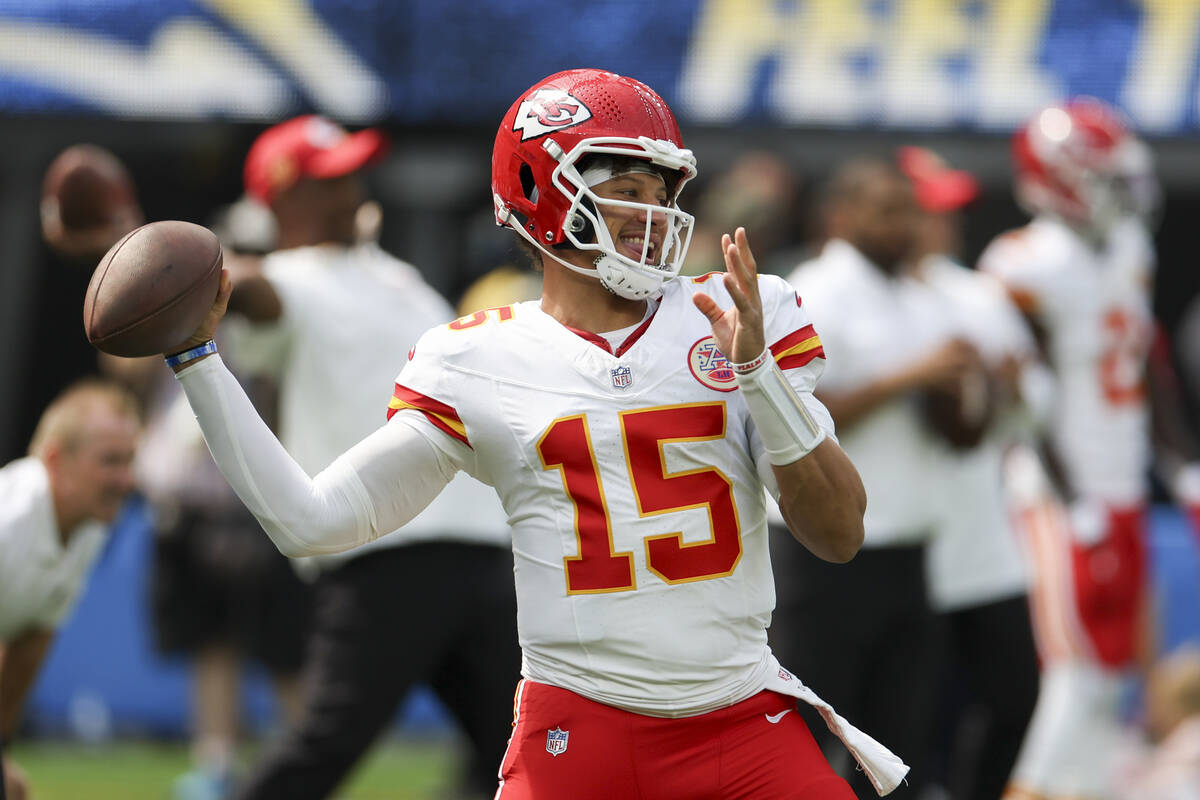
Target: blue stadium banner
(964,64)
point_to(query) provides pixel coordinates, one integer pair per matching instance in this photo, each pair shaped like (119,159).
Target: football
(88,202)
(960,416)
(152,289)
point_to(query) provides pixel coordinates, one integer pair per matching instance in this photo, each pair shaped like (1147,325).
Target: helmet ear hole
(528,185)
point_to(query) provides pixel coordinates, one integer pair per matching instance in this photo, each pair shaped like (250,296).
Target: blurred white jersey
(40,578)
(1094,305)
(975,558)
(874,324)
(349,316)
(631,479)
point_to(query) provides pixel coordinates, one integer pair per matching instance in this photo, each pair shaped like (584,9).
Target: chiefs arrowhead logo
(548,110)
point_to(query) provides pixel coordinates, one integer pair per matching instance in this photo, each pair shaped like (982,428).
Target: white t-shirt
(872,325)
(633,481)
(1095,307)
(975,557)
(350,314)
(40,579)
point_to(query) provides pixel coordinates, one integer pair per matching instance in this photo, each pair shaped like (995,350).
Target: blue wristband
(179,359)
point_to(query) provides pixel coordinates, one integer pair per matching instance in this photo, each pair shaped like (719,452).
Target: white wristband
(787,429)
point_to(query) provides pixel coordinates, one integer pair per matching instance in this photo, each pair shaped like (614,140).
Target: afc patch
(556,741)
(549,110)
(709,366)
(622,378)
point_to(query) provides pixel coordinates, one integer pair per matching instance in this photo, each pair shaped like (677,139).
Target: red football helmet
(540,192)
(1077,161)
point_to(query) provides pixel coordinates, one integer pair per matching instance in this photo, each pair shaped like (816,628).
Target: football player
(1081,271)
(860,290)
(629,421)
(978,582)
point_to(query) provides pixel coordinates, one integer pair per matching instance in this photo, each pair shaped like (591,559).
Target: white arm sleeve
(370,490)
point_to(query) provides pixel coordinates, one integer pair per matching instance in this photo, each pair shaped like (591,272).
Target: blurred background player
(759,191)
(1082,272)
(219,593)
(335,317)
(863,632)
(987,667)
(222,596)
(55,506)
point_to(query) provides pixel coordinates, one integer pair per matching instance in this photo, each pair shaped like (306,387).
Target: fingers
(225,290)
(741,271)
(708,307)
(743,244)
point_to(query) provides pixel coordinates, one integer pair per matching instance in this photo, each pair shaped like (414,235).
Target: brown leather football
(152,289)
(87,186)
(960,416)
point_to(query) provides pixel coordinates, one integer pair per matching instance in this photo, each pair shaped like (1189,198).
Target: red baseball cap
(937,187)
(307,147)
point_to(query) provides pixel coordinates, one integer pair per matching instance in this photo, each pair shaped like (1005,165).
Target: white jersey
(1094,305)
(632,484)
(872,325)
(40,579)
(350,314)
(975,557)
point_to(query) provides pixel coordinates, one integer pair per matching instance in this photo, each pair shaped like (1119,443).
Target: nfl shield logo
(622,377)
(556,741)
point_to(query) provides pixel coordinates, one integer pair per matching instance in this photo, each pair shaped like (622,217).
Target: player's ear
(52,455)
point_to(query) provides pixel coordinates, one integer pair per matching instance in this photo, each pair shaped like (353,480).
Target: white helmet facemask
(663,251)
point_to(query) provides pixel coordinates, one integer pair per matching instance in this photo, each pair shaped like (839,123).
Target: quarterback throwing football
(628,421)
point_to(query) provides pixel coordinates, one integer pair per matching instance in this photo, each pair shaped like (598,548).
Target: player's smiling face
(627,226)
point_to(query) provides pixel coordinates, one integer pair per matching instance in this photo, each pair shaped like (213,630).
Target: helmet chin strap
(607,275)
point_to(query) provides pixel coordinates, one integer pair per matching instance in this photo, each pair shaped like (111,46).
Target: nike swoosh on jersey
(774,718)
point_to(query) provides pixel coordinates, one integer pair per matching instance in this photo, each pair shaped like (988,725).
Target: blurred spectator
(1169,768)
(977,575)
(504,285)
(758,192)
(432,602)
(55,507)
(222,594)
(862,634)
(1082,271)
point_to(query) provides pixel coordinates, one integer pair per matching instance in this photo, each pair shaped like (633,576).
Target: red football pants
(1110,581)
(565,746)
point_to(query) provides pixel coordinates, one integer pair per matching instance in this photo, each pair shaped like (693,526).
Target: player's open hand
(208,326)
(737,330)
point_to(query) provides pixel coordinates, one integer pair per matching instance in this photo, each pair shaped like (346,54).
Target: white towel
(884,769)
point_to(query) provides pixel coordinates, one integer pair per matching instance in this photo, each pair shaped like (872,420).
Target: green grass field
(134,770)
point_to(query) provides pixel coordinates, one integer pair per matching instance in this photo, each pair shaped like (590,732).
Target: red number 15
(567,446)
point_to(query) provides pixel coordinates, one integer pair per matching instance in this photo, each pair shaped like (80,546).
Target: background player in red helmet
(1082,272)
(629,422)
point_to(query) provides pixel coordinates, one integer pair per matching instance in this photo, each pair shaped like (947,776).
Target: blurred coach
(55,507)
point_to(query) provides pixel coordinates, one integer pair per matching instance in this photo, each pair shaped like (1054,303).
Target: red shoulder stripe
(798,348)
(441,415)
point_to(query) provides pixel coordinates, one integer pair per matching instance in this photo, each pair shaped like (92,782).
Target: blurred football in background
(960,416)
(152,289)
(88,202)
